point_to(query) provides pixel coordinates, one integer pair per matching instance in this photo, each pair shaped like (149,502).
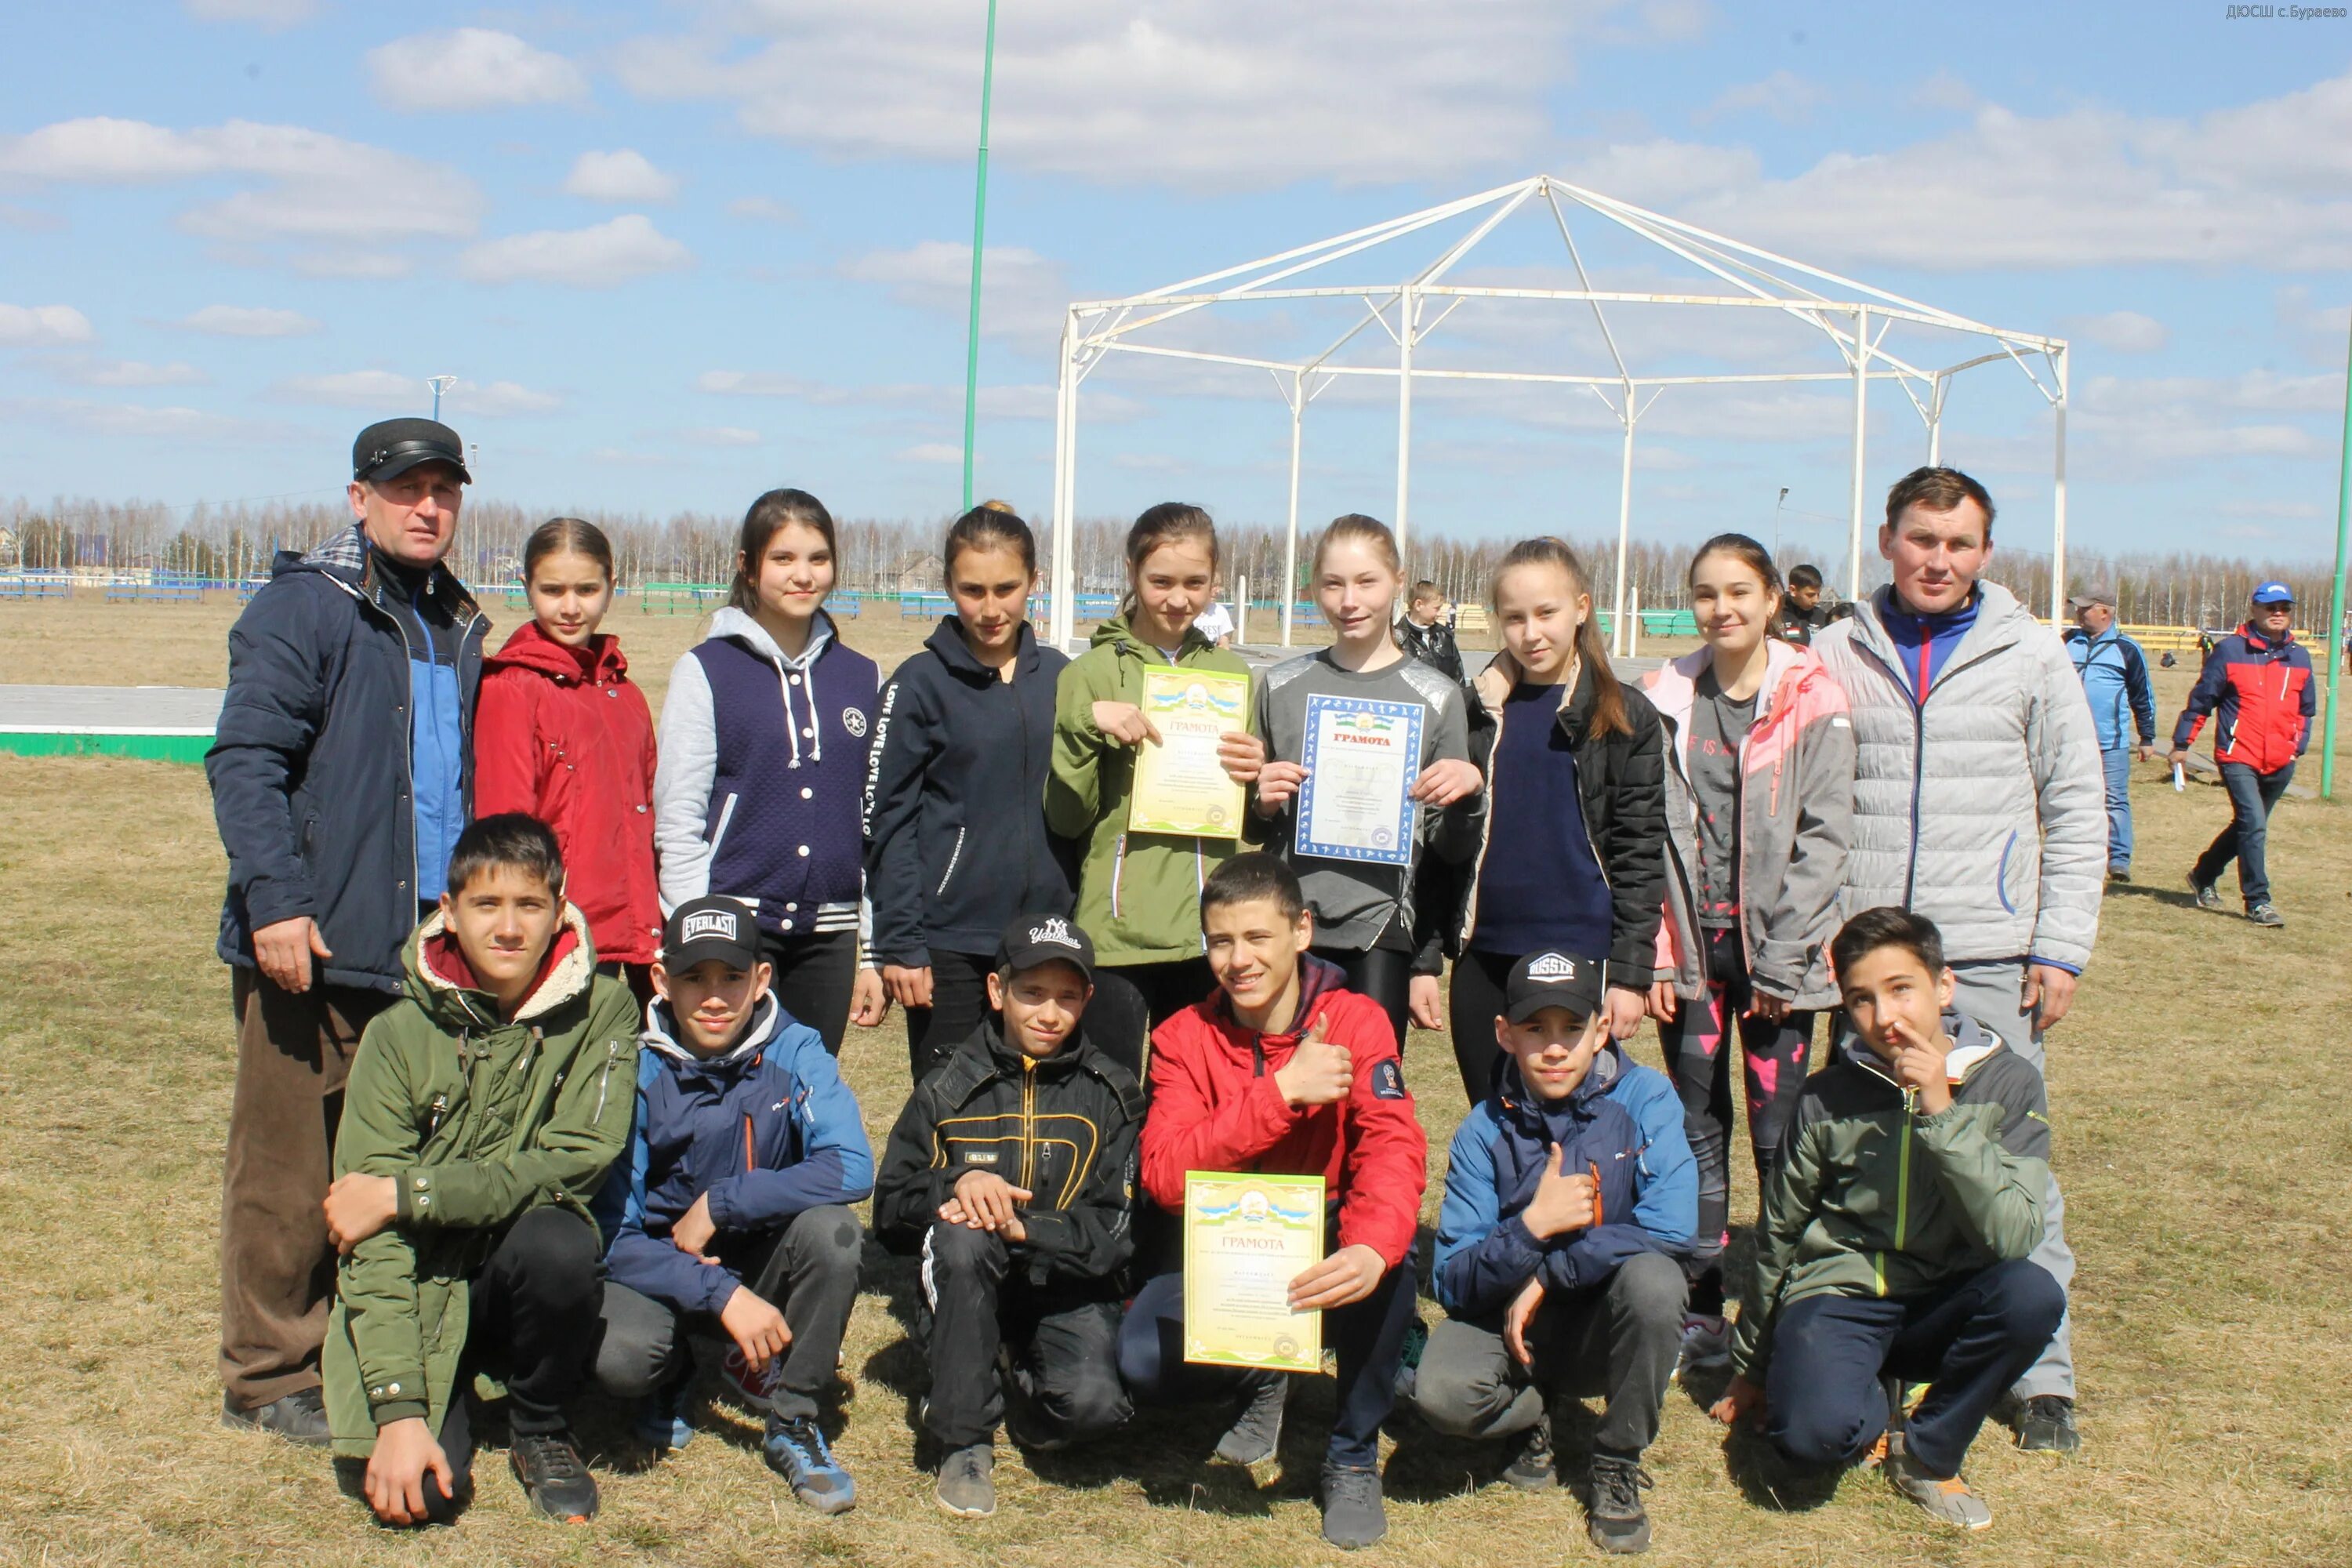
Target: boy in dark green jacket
(1895,1230)
(482,1111)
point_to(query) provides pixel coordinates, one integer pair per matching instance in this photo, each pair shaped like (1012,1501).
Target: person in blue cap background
(2257,688)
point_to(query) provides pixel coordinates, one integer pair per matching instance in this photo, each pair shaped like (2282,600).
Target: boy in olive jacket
(482,1111)
(1895,1230)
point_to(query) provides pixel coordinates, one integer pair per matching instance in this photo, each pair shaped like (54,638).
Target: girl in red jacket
(560,732)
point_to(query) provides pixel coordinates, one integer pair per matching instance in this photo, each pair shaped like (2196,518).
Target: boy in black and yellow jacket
(1012,1171)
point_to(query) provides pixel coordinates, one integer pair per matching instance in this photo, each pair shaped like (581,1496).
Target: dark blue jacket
(956,844)
(767,1130)
(1623,1125)
(312,765)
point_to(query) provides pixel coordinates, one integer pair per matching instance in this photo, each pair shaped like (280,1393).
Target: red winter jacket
(563,734)
(1214,1108)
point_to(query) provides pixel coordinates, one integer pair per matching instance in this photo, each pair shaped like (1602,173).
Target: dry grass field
(2204,1138)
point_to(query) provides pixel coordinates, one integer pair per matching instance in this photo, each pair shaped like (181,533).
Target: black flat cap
(390,447)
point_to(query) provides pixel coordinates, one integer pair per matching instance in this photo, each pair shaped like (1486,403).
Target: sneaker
(1943,1498)
(299,1417)
(796,1450)
(2266,914)
(966,1487)
(1256,1431)
(2045,1425)
(1532,1469)
(1353,1515)
(1614,1520)
(1706,1348)
(548,1465)
(2118,873)
(660,1420)
(2207,897)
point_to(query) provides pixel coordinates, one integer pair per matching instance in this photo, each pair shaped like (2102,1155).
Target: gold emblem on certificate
(1180,786)
(1246,1237)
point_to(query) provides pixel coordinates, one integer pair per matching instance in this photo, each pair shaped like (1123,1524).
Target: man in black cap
(339,773)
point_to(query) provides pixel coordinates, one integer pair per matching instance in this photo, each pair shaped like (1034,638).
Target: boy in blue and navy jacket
(1569,1193)
(729,1215)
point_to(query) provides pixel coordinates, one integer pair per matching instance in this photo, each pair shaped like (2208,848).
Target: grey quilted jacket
(1983,809)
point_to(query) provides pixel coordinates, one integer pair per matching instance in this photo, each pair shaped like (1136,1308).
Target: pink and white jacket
(1796,817)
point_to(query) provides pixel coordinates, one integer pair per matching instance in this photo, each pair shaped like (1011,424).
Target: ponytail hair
(563,535)
(768,517)
(1164,524)
(991,525)
(1608,715)
(1751,554)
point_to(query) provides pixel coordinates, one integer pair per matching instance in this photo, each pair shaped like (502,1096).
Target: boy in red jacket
(1283,1072)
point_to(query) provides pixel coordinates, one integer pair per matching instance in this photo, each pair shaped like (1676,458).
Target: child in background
(1574,853)
(1281,1069)
(1426,633)
(1568,1193)
(1364,910)
(560,732)
(1760,806)
(1896,1231)
(479,1107)
(730,1214)
(1800,613)
(1139,893)
(1012,1171)
(760,793)
(955,831)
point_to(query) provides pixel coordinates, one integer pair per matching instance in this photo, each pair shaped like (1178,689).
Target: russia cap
(1551,979)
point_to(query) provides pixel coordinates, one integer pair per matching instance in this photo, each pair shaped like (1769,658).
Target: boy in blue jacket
(729,1212)
(1569,1192)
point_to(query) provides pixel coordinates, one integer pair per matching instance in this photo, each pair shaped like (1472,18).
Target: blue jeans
(2117,764)
(2252,797)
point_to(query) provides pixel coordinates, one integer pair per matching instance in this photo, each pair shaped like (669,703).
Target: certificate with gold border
(1246,1237)
(1181,783)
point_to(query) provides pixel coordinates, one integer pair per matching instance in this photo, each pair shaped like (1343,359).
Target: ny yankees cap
(1032,940)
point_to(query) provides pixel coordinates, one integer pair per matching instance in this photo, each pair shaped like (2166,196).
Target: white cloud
(1032,401)
(2122,428)
(136,421)
(359,264)
(470,67)
(390,389)
(1200,93)
(597,257)
(2119,332)
(762,209)
(1784,95)
(308,184)
(622,175)
(1947,91)
(122,373)
(931,452)
(29,220)
(721,436)
(1022,295)
(2318,332)
(249,321)
(34,326)
(264,13)
(498,399)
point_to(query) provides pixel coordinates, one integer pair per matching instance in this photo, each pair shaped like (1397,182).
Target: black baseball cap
(708,927)
(390,447)
(1553,979)
(1032,940)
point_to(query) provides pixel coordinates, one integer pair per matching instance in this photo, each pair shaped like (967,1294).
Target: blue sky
(679,252)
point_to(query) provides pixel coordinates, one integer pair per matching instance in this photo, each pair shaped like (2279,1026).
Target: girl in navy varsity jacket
(763,750)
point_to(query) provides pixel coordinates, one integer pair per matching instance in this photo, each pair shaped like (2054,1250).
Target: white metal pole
(1935,424)
(1624,533)
(1061,616)
(1406,305)
(1290,534)
(2058,505)
(1241,610)
(1861,425)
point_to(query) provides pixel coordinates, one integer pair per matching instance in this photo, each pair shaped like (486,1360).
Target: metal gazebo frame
(1764,280)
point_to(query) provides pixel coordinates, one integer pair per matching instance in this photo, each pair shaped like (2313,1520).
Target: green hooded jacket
(1873,1198)
(1138,895)
(479,1122)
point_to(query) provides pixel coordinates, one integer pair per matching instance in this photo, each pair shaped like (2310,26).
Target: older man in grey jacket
(1979,803)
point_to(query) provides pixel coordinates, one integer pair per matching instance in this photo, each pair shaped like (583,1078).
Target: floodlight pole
(2058,501)
(439,383)
(1405,304)
(1290,537)
(1061,616)
(2335,634)
(979,232)
(1860,429)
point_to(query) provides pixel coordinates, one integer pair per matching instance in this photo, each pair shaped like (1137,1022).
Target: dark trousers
(1063,1346)
(1617,1340)
(1969,1341)
(1474,1002)
(1382,973)
(815,977)
(2251,798)
(1133,999)
(533,1316)
(1369,1336)
(276,1267)
(1696,1042)
(807,1269)
(959,1002)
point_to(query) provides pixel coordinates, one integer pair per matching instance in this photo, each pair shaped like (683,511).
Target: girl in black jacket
(955,820)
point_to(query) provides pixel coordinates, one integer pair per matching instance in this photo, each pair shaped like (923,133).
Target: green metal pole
(979,232)
(2334,632)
